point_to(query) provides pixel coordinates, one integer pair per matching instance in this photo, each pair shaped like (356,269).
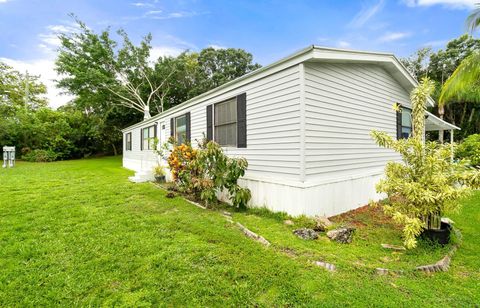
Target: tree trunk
(463,114)
(471,115)
(115,153)
(441,112)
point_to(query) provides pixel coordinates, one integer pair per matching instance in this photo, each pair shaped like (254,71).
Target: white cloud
(394,36)
(172,15)
(4,1)
(365,14)
(453,4)
(215,46)
(142,4)
(343,44)
(162,51)
(45,69)
(154,12)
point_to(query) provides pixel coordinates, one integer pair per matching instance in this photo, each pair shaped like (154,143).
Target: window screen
(225,119)
(406,123)
(180,129)
(128,142)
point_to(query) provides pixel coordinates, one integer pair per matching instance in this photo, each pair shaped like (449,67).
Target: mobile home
(302,123)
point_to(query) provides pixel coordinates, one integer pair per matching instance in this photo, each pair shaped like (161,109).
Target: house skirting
(327,197)
(324,198)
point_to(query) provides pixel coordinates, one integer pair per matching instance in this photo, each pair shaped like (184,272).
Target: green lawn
(79,233)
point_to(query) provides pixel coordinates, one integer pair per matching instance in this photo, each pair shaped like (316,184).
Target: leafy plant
(159,170)
(40,156)
(469,149)
(426,183)
(207,171)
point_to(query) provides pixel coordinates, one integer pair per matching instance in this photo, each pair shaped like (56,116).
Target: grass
(77,233)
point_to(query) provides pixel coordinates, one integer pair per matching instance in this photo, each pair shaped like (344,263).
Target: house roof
(310,54)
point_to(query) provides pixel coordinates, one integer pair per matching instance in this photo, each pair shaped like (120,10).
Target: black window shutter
(242,120)
(141,139)
(126,142)
(188,130)
(399,124)
(155,127)
(209,123)
(172,128)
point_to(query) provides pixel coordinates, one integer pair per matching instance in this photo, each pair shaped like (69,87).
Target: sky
(268,29)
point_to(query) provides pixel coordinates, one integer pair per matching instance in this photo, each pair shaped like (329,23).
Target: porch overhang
(434,123)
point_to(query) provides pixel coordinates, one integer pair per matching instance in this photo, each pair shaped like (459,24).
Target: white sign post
(8,157)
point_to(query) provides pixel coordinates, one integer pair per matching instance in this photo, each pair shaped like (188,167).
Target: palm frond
(473,20)
(464,84)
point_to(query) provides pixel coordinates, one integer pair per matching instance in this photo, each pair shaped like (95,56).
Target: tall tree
(94,68)
(464,83)
(19,91)
(417,64)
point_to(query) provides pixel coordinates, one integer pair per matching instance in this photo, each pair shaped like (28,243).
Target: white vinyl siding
(225,119)
(273,124)
(343,104)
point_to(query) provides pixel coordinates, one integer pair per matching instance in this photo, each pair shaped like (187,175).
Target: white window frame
(405,126)
(175,128)
(149,139)
(128,141)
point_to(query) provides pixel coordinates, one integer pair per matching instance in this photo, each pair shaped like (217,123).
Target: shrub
(469,149)
(426,183)
(40,156)
(206,171)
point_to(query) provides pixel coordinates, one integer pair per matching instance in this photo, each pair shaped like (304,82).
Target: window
(147,137)
(181,129)
(406,127)
(128,142)
(225,123)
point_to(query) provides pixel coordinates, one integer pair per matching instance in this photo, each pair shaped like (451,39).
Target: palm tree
(473,21)
(464,84)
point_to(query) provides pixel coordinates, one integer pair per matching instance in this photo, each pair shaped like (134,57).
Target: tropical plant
(426,184)
(159,171)
(469,150)
(473,20)
(464,83)
(207,171)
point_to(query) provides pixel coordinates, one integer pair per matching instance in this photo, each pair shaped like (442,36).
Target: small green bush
(469,149)
(40,156)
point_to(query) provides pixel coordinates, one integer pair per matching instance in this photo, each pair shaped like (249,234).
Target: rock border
(328,266)
(441,265)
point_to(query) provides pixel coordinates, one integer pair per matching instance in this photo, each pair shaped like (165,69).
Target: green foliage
(469,149)
(40,156)
(426,184)
(207,171)
(459,99)
(19,92)
(113,80)
(464,83)
(473,20)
